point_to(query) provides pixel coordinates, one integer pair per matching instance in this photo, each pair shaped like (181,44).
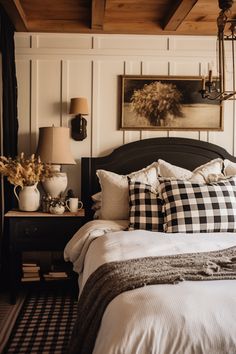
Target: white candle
(203,83)
(210,75)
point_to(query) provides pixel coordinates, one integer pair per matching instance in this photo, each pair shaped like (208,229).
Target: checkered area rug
(44,324)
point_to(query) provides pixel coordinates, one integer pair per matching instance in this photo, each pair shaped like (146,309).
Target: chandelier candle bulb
(210,75)
(203,83)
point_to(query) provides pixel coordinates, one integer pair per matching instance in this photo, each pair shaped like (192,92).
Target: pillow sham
(209,172)
(115,190)
(192,207)
(229,168)
(145,207)
(205,173)
(166,169)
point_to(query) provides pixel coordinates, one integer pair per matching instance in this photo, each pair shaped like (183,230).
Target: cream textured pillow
(115,190)
(166,169)
(229,168)
(205,173)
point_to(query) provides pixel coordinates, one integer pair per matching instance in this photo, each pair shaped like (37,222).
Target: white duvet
(186,318)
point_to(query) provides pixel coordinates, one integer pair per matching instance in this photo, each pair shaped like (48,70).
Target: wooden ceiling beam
(98,14)
(16,13)
(178,14)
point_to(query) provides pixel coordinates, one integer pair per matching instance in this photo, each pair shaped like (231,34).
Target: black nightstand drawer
(33,234)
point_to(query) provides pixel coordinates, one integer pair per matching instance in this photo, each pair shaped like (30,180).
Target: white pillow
(115,190)
(166,169)
(229,168)
(208,172)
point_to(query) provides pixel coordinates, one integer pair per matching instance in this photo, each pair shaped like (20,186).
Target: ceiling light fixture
(223,88)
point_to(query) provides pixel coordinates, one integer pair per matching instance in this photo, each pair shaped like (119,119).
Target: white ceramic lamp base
(56,185)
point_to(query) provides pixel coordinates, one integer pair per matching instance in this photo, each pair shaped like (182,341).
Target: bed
(144,289)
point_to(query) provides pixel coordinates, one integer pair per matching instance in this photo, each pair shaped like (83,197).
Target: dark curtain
(9,99)
(9,115)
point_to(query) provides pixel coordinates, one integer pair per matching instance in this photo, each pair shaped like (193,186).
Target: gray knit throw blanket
(111,279)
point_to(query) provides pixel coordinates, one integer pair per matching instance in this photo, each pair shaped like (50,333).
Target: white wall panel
(189,43)
(184,134)
(64,41)
(132,68)
(155,66)
(203,136)
(22,40)
(106,135)
(226,137)
(23,71)
(48,95)
(186,67)
(131,42)
(77,83)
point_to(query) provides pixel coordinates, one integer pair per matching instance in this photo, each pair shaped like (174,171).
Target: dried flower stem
(25,172)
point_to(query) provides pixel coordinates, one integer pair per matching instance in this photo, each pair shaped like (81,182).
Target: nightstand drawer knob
(27,231)
(30,230)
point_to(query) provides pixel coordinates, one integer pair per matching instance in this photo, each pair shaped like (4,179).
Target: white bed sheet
(186,318)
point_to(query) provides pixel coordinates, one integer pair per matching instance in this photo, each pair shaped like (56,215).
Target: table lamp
(54,148)
(79,107)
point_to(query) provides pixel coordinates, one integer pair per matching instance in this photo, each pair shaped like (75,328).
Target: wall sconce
(79,107)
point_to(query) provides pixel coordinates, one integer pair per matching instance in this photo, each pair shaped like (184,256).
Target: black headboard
(187,153)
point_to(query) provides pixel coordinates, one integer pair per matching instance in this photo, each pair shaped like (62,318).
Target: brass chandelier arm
(225,4)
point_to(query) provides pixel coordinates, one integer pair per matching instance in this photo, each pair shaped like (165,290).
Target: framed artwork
(166,103)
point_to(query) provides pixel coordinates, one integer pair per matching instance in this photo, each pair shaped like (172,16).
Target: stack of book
(30,272)
(55,275)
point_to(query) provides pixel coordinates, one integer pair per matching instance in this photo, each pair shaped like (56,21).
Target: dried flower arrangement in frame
(166,103)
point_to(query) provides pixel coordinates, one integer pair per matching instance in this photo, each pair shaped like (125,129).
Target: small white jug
(74,204)
(28,198)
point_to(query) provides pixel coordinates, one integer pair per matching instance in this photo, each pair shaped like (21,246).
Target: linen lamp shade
(54,146)
(79,105)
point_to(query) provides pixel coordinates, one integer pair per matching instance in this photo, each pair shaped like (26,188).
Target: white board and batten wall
(52,68)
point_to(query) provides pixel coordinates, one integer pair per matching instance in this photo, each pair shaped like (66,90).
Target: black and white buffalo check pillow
(145,207)
(191,207)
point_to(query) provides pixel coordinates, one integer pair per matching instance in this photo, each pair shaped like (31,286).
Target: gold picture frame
(166,103)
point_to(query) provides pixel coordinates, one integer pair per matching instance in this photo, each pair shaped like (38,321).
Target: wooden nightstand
(36,231)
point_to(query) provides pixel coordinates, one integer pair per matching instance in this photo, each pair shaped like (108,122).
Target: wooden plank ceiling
(194,17)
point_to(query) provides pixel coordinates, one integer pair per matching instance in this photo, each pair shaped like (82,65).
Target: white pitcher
(28,198)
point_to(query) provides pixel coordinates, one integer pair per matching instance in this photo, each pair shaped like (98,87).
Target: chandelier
(223,88)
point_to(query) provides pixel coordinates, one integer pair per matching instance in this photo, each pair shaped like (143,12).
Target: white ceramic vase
(28,198)
(55,185)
